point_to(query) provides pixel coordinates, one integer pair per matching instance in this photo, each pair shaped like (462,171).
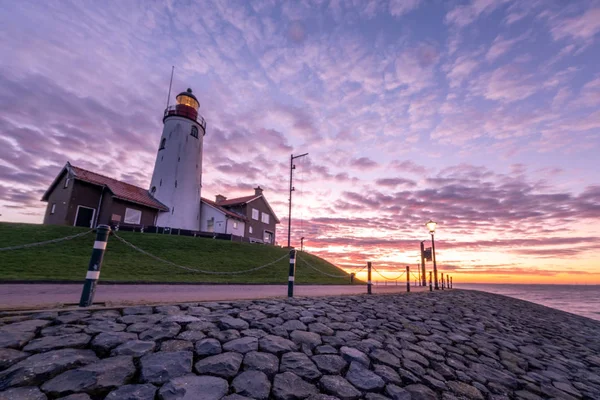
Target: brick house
(83,198)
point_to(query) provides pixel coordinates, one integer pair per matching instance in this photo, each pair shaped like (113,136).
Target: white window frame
(265,239)
(210,224)
(67,182)
(126,218)
(235,225)
(255,214)
(250,229)
(262,218)
(53,208)
(77,214)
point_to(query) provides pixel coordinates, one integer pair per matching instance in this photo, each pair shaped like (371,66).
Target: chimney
(220,198)
(258,191)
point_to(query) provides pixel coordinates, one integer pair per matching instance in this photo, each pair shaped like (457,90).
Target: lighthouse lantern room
(177,177)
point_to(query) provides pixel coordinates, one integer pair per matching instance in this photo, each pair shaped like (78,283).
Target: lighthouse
(177,177)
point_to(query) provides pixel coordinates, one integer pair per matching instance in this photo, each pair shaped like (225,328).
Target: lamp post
(424,282)
(431,226)
(302,243)
(292,168)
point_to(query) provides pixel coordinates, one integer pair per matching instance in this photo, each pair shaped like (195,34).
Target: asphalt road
(28,296)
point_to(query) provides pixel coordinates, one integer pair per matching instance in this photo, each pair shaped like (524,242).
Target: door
(84,217)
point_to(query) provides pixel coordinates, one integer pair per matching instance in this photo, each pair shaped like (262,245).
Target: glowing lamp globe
(431,226)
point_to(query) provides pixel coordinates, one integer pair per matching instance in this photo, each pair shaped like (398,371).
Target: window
(162,144)
(53,208)
(67,182)
(153,190)
(255,214)
(249,229)
(194,132)
(265,218)
(132,216)
(175,183)
(268,237)
(234,225)
(210,225)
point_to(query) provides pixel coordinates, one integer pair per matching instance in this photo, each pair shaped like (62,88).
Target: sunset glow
(483,116)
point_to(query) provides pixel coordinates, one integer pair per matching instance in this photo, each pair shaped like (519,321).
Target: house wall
(259,227)
(239,231)
(60,196)
(118,207)
(83,194)
(209,212)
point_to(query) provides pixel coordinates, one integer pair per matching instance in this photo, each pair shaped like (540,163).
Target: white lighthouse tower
(177,177)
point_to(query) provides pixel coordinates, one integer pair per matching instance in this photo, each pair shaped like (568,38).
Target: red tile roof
(120,190)
(238,200)
(227,212)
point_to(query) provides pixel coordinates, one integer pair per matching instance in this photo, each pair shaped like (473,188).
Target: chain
(414,275)
(24,246)
(195,269)
(322,272)
(389,279)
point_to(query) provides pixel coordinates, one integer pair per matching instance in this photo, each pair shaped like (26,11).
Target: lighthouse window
(175,183)
(194,132)
(162,144)
(160,183)
(153,190)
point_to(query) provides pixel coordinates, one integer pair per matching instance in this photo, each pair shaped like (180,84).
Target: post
(292,273)
(352,277)
(93,273)
(430,284)
(369,277)
(451,284)
(407,278)
(290,206)
(434,263)
(442,281)
(423,274)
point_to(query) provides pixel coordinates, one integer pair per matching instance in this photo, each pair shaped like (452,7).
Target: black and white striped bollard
(93,273)
(408,278)
(369,278)
(292,273)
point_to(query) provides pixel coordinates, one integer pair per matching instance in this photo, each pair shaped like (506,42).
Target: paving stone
(257,333)
(104,326)
(133,392)
(176,345)
(134,348)
(302,337)
(289,386)
(103,343)
(208,347)
(320,329)
(29,325)
(330,363)
(339,387)
(47,343)
(225,365)
(420,392)
(161,367)
(66,329)
(293,325)
(15,339)
(192,387)
(23,393)
(462,389)
(76,396)
(169,310)
(326,349)
(233,323)
(265,362)
(351,354)
(192,336)
(182,319)
(139,310)
(300,364)
(397,393)
(322,396)
(97,378)
(165,330)
(384,357)
(38,368)
(254,384)
(10,357)
(236,396)
(388,374)
(252,315)
(225,336)
(363,379)
(242,345)
(375,396)
(276,344)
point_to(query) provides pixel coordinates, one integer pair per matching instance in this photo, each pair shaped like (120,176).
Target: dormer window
(194,132)
(162,144)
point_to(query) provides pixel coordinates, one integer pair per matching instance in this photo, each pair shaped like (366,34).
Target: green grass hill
(68,260)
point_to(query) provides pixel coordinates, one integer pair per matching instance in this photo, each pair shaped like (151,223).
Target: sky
(483,115)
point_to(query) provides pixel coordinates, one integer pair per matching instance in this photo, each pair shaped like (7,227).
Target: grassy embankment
(68,260)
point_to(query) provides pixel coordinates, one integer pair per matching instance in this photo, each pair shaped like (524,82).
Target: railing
(187,112)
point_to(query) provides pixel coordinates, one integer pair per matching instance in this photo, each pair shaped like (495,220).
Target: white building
(217,219)
(177,177)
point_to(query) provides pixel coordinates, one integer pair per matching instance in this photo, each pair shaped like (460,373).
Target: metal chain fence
(322,272)
(196,269)
(387,278)
(24,246)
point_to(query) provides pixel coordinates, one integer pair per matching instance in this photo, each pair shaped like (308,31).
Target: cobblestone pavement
(443,345)
(47,295)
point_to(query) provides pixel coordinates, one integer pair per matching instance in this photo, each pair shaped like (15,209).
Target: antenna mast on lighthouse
(170,84)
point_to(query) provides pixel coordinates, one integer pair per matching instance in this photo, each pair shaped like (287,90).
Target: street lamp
(302,243)
(292,168)
(431,226)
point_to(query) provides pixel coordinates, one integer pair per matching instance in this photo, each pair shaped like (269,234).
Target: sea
(582,300)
